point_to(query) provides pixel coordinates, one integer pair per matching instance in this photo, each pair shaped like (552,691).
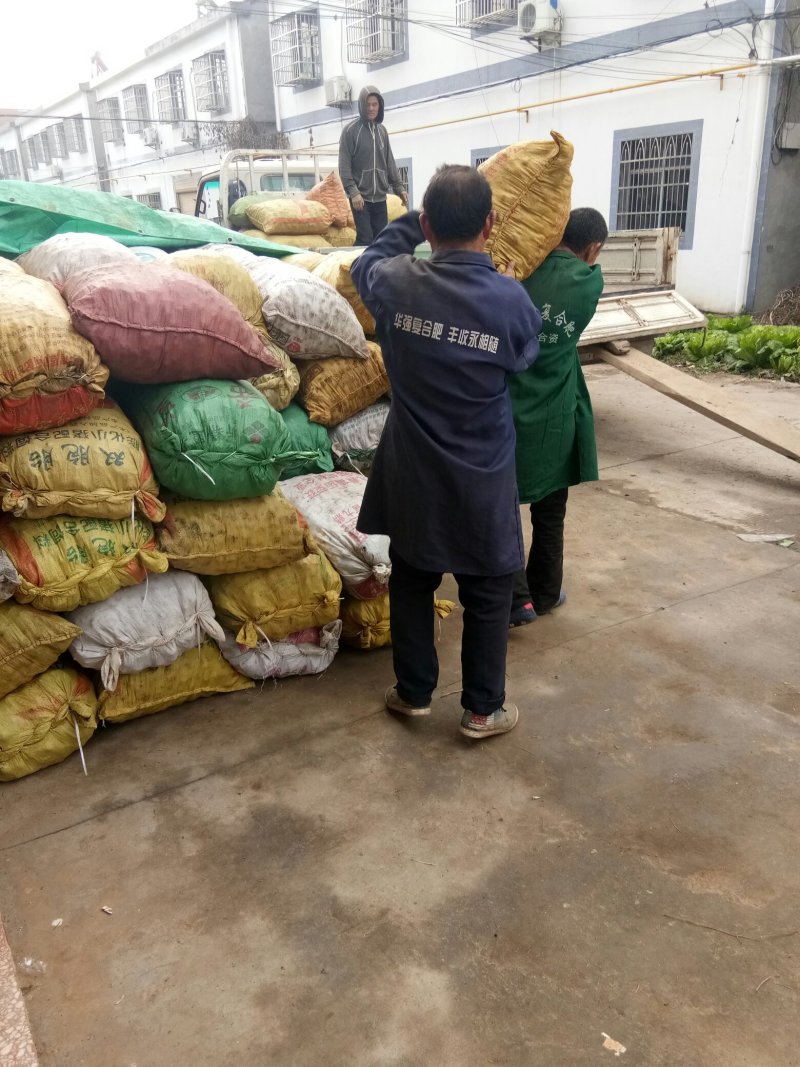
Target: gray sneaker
(396,703)
(499,722)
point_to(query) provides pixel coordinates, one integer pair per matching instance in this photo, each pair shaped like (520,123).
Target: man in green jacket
(552,410)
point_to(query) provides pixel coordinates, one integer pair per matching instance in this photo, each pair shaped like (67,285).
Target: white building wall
(428,88)
(134,169)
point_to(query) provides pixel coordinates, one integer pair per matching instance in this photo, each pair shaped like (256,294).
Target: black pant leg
(416,664)
(545,570)
(363,221)
(379,217)
(522,594)
(487,604)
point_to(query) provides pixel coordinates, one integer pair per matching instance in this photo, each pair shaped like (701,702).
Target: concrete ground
(297,879)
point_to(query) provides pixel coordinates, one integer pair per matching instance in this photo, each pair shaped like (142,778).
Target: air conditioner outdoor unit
(337,91)
(539,21)
(150,136)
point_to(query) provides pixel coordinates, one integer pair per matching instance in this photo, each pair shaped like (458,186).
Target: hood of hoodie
(369,90)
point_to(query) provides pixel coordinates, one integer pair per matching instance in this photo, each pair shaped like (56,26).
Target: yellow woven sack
(64,562)
(277,602)
(531,194)
(200,672)
(289,217)
(279,387)
(366,625)
(94,466)
(331,390)
(233,536)
(335,270)
(330,192)
(38,722)
(395,207)
(30,642)
(341,238)
(229,278)
(305,260)
(49,374)
(308,241)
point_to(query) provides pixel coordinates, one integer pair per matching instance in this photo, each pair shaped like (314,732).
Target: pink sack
(151,323)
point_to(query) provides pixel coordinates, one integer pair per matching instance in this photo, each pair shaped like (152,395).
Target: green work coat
(552,409)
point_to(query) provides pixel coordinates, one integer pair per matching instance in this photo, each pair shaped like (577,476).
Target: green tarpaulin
(31,213)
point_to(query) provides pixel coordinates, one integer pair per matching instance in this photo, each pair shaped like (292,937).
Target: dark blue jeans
(486,603)
(370,221)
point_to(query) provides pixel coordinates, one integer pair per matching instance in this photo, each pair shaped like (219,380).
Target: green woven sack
(309,438)
(237,215)
(210,439)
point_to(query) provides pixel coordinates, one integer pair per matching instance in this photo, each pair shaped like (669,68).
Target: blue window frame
(655,176)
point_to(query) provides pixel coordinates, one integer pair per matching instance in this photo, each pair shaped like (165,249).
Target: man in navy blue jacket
(443,485)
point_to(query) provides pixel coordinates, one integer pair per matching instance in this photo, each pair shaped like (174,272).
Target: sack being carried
(143,627)
(330,504)
(94,466)
(531,195)
(313,653)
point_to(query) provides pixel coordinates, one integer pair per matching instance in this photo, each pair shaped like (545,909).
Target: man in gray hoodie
(367,167)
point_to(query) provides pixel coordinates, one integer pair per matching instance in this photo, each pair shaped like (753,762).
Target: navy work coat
(443,484)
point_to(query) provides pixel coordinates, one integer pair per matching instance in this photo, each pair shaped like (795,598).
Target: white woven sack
(280,659)
(305,315)
(64,254)
(149,625)
(330,504)
(9,579)
(360,434)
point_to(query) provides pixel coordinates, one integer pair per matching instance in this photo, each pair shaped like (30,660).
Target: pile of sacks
(322,219)
(183,441)
(148,408)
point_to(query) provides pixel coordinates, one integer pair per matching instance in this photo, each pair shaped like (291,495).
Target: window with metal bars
(171,97)
(9,161)
(210,77)
(75,134)
(111,120)
(656,173)
(470,13)
(58,140)
(376,30)
(296,57)
(45,151)
(30,152)
(135,107)
(150,199)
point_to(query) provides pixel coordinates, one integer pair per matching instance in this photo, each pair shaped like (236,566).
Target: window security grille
(135,107)
(376,30)
(75,134)
(654,182)
(111,116)
(44,150)
(150,199)
(485,12)
(30,152)
(170,97)
(9,163)
(58,140)
(295,49)
(210,76)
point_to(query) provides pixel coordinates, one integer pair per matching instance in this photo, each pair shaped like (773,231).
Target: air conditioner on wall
(337,92)
(540,21)
(150,136)
(189,132)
